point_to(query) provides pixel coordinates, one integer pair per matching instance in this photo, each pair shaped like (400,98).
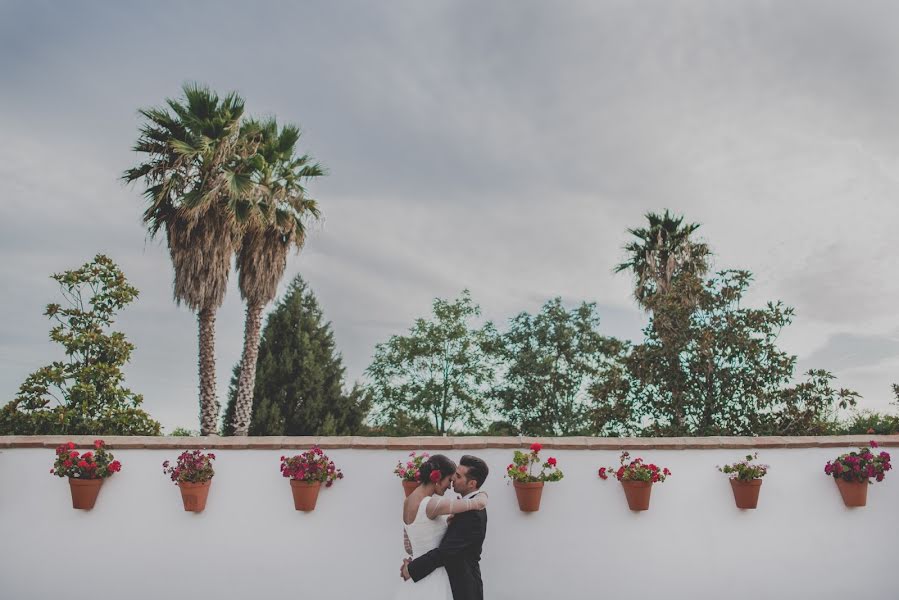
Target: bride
(425,514)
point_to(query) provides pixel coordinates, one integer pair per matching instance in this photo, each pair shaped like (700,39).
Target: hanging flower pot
(86,472)
(746,493)
(854,493)
(307,472)
(637,494)
(528,484)
(305,494)
(853,472)
(529,494)
(746,480)
(410,470)
(84,492)
(194,495)
(636,479)
(192,473)
(409,486)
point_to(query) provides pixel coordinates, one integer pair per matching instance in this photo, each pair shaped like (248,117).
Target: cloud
(848,351)
(501,147)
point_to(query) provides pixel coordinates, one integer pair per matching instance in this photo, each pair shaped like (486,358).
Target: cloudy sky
(503,147)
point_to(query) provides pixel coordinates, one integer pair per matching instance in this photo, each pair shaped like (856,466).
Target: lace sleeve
(406,543)
(441,505)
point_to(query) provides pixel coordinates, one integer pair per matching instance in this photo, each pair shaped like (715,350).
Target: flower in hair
(435,475)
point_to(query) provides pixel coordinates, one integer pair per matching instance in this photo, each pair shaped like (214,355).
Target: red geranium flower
(535,447)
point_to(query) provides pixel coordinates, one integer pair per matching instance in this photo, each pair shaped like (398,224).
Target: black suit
(460,554)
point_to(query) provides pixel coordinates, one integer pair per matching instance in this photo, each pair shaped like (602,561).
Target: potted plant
(746,480)
(528,484)
(307,472)
(408,471)
(636,479)
(86,472)
(853,472)
(192,473)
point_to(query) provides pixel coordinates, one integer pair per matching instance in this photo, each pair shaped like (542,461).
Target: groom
(460,550)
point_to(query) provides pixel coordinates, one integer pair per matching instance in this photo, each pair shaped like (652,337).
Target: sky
(502,147)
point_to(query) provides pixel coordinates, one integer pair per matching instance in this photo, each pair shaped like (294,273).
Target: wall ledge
(447,443)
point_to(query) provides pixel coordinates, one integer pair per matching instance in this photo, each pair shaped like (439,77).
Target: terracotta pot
(854,493)
(84,492)
(637,494)
(194,495)
(746,493)
(529,495)
(409,486)
(305,495)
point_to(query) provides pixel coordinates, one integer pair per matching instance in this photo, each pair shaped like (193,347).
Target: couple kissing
(443,534)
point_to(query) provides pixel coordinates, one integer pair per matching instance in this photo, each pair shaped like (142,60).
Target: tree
(661,253)
(709,366)
(439,371)
(275,227)
(198,175)
(550,360)
(299,387)
(86,386)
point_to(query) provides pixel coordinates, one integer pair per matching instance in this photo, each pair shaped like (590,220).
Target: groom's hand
(404,570)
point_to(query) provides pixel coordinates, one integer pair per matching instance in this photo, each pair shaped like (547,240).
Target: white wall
(801,543)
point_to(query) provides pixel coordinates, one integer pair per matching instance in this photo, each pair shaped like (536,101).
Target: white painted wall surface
(138,543)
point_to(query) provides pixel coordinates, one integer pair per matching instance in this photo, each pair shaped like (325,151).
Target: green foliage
(87,385)
(96,464)
(191,466)
(439,371)
(709,366)
(401,424)
(521,468)
(860,466)
(745,470)
(867,422)
(635,470)
(184,432)
(549,360)
(299,375)
(499,428)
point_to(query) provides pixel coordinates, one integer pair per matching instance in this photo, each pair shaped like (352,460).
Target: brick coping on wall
(448,443)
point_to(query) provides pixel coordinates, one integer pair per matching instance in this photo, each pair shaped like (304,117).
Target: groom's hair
(477,468)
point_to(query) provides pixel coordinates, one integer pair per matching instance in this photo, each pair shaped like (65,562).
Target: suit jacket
(460,554)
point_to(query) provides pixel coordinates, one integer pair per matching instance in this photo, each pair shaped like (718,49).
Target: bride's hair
(437,462)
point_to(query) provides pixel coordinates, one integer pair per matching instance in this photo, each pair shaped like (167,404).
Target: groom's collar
(471,495)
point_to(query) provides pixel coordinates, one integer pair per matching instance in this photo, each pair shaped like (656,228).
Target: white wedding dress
(424,535)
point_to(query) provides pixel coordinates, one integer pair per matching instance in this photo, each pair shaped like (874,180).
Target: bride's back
(425,534)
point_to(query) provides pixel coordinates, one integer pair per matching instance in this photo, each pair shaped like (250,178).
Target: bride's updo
(438,462)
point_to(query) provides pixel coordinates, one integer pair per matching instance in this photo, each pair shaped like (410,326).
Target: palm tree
(277,224)
(196,171)
(662,252)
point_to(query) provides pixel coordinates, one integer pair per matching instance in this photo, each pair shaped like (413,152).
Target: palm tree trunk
(209,406)
(243,408)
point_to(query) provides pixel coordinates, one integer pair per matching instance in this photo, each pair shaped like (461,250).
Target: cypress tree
(300,375)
